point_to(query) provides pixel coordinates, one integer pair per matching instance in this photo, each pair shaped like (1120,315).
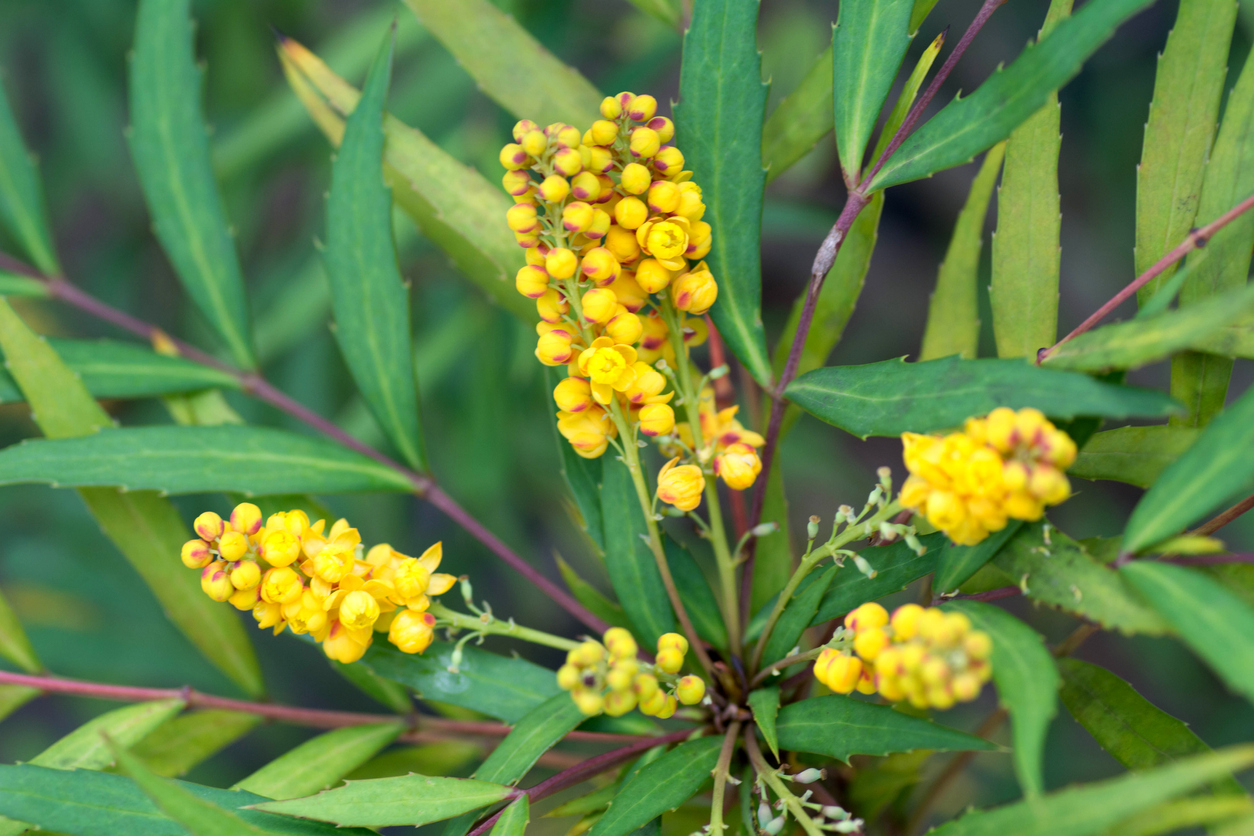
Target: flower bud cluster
(607,676)
(298,575)
(609,218)
(929,657)
(1006,466)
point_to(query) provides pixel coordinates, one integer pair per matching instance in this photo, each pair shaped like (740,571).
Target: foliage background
(485,408)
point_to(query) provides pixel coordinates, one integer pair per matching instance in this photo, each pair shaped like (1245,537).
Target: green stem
(771,777)
(784,663)
(496,627)
(718,533)
(721,772)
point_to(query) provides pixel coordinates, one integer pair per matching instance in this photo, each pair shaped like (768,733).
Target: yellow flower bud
(552,306)
(622,243)
(624,327)
(738,466)
(268,615)
(573,394)
(599,160)
(531,281)
(669,161)
(521,128)
(645,686)
(589,703)
(196,554)
(610,108)
(245,575)
(554,348)
(527,240)
(513,157)
(233,545)
(553,190)
(668,710)
(345,645)
(631,213)
(690,690)
(281,585)
(412,632)
(568,677)
(636,177)
(585,186)
(245,599)
(568,162)
(663,199)
(517,183)
(694,292)
(866,617)
(566,136)
(600,267)
(618,703)
(534,143)
(691,207)
(843,673)
(209,526)
(642,109)
(978,645)
(280,548)
(586,654)
(673,641)
(866,681)
(588,432)
(649,382)
(620,643)
(654,704)
(670,660)
(215,581)
(644,142)
(664,127)
(601,222)
(656,419)
(869,643)
(652,276)
(560,263)
(681,486)
(695,331)
(628,291)
(1049,485)
(358,610)
(246,518)
(577,216)
(622,674)
(905,622)
(965,687)
(598,304)
(521,217)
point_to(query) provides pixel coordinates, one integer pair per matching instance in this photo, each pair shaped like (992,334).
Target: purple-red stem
(583,771)
(1211,526)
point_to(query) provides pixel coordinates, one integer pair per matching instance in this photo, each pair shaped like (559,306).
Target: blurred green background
(486,412)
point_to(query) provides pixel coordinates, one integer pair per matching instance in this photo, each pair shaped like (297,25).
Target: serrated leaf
(800,120)
(1027,685)
(629,561)
(1188,87)
(661,786)
(1060,573)
(503,687)
(403,800)
(1136,455)
(146,528)
(869,42)
(174,460)
(186,741)
(798,614)
(1133,730)
(513,820)
(516,72)
(592,598)
(530,738)
(170,147)
(956,564)
(718,121)
(695,593)
(953,317)
(893,396)
(1144,340)
(86,747)
(14,645)
(1218,468)
(896,566)
(433,759)
(840,727)
(967,126)
(22,208)
(1215,624)
(371,302)
(320,762)
(764,702)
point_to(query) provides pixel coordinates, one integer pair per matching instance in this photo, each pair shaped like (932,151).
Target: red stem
(1211,526)
(1195,239)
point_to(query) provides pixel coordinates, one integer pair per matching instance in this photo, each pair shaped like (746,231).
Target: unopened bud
(835,813)
(888,532)
(763,529)
(812,527)
(718,372)
(846,512)
(885,474)
(864,567)
(774,826)
(764,813)
(809,776)
(912,540)
(850,826)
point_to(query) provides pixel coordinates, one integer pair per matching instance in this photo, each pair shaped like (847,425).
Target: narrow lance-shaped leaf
(956,564)
(909,90)
(967,126)
(1200,381)
(515,71)
(371,302)
(513,822)
(170,146)
(773,555)
(14,645)
(800,120)
(797,616)
(718,125)
(21,199)
(146,528)
(630,562)
(661,786)
(404,800)
(868,43)
(1218,468)
(1027,685)
(594,599)
(183,742)
(1026,252)
(316,764)
(953,315)
(1182,117)
(1136,455)
(765,705)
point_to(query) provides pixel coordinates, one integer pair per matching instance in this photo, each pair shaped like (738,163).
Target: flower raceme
(606,676)
(1008,465)
(299,575)
(929,657)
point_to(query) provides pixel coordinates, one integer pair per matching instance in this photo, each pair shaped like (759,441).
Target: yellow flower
(681,485)
(664,199)
(649,383)
(738,466)
(573,394)
(652,275)
(659,419)
(359,610)
(281,585)
(665,239)
(838,671)
(412,631)
(345,645)
(609,366)
(280,547)
(695,292)
(624,327)
(588,432)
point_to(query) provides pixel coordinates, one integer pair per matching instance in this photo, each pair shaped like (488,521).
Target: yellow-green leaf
(1136,455)
(14,645)
(800,120)
(22,209)
(174,747)
(320,762)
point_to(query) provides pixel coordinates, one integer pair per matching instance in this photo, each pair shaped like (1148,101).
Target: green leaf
(1216,624)
(896,567)
(88,803)
(797,615)
(13,697)
(667,11)
(1188,87)
(251,460)
(1201,382)
(384,691)
(953,317)
(22,210)
(882,782)
(958,563)
(1056,570)
(1091,808)
(170,147)
(531,737)
(967,126)
(909,90)
(1132,729)
(592,598)
(800,120)
(1243,826)
(632,568)
(186,741)
(1026,251)
(661,786)
(146,528)
(403,800)
(371,302)
(773,555)
(1027,685)
(501,686)
(839,727)
(434,759)
(869,42)
(594,802)
(765,705)
(513,821)
(1219,467)
(86,746)
(583,478)
(12,284)
(1136,455)
(893,396)
(14,645)
(316,764)
(1144,340)
(718,121)
(456,208)
(695,593)
(516,72)
(1187,812)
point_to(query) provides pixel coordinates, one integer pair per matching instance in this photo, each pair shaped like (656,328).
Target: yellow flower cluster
(969,483)
(929,657)
(301,576)
(608,217)
(608,677)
